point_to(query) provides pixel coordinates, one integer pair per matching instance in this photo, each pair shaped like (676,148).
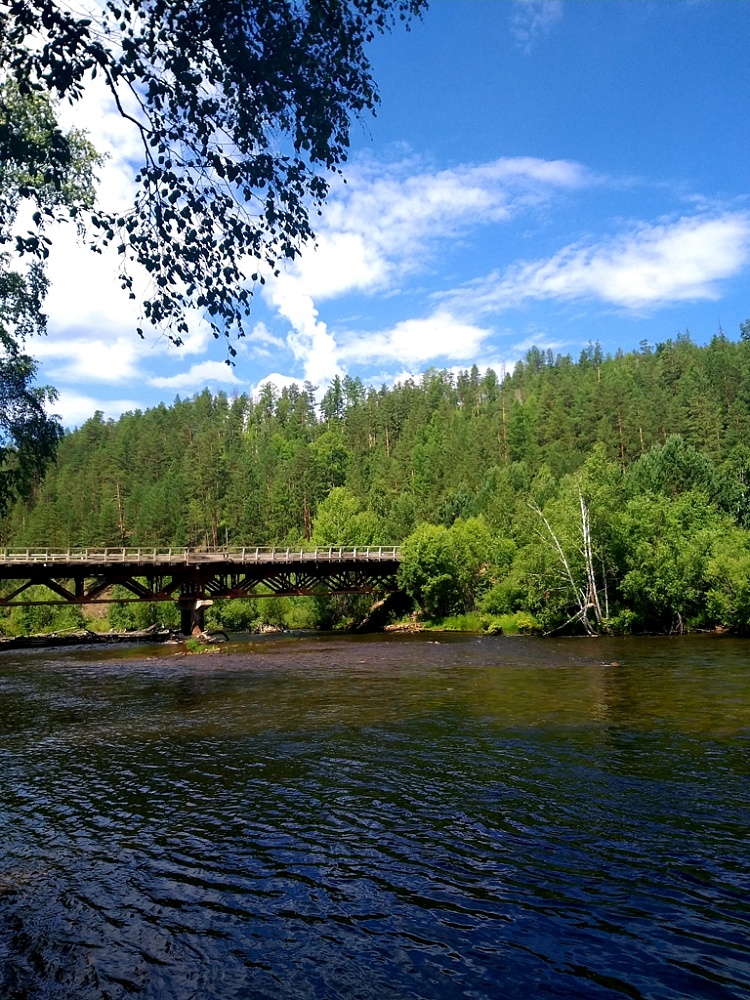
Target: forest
(607,494)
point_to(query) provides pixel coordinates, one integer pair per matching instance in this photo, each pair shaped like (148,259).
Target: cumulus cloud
(275,379)
(198,376)
(384,222)
(418,341)
(86,302)
(650,266)
(381,228)
(309,341)
(85,294)
(115,138)
(260,334)
(75,408)
(89,359)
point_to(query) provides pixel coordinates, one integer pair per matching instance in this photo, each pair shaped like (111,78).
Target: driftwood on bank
(85,637)
(394,605)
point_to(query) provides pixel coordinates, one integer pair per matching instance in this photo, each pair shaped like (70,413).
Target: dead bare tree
(586,594)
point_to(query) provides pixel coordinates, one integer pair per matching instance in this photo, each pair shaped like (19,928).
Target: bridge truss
(87,576)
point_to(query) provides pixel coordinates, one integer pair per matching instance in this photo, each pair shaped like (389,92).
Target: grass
(194,645)
(520,623)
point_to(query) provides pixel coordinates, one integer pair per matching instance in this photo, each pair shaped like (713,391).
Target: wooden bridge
(192,578)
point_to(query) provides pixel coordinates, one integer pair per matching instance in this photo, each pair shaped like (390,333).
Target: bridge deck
(83,576)
(240,556)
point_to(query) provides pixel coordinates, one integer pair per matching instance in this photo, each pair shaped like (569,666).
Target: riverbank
(520,623)
(86,637)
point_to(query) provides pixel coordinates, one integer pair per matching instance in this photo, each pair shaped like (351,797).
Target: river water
(377,818)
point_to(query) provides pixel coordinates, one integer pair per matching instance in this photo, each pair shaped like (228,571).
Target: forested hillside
(612,491)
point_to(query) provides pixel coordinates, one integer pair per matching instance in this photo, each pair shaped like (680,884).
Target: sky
(546,173)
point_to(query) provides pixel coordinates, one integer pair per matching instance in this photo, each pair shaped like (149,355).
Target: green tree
(341,521)
(447,569)
(28,435)
(243,107)
(53,171)
(480,558)
(668,545)
(428,570)
(40,165)
(672,468)
(728,576)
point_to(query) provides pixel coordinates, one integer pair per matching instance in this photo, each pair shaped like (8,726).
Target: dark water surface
(380,818)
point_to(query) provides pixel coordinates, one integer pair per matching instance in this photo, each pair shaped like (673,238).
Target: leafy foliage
(340,521)
(243,108)
(672,468)
(54,171)
(434,465)
(429,570)
(39,164)
(28,436)
(668,545)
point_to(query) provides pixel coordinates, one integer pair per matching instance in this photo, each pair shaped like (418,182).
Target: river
(375,818)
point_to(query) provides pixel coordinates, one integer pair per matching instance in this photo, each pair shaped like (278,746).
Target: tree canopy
(244,108)
(53,171)
(608,494)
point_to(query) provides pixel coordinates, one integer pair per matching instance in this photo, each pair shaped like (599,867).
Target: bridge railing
(181,556)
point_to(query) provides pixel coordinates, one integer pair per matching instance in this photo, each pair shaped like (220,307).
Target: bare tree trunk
(622,442)
(120,515)
(592,597)
(307,520)
(606,593)
(582,598)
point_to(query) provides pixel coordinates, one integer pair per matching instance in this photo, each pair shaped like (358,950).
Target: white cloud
(214,372)
(542,341)
(343,262)
(260,343)
(382,227)
(418,341)
(382,224)
(310,341)
(532,19)
(75,408)
(275,379)
(653,265)
(85,300)
(114,137)
(260,334)
(83,359)
(85,294)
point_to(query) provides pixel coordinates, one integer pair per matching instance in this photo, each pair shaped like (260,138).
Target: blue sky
(540,172)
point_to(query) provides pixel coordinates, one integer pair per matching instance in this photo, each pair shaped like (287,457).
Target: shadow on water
(377,817)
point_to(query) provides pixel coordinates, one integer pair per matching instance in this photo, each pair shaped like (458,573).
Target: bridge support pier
(193,614)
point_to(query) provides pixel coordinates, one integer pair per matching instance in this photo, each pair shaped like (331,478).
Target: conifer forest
(607,494)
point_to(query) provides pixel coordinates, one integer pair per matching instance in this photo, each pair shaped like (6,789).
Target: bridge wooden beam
(153,576)
(7,598)
(57,588)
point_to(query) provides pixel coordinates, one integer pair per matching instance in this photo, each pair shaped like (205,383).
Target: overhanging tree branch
(244,102)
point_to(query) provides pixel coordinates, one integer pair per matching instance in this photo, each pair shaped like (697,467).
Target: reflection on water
(377,818)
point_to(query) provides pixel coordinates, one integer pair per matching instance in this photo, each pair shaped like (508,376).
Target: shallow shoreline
(87,638)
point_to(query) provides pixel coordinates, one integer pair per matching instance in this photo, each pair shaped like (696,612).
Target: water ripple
(369,821)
